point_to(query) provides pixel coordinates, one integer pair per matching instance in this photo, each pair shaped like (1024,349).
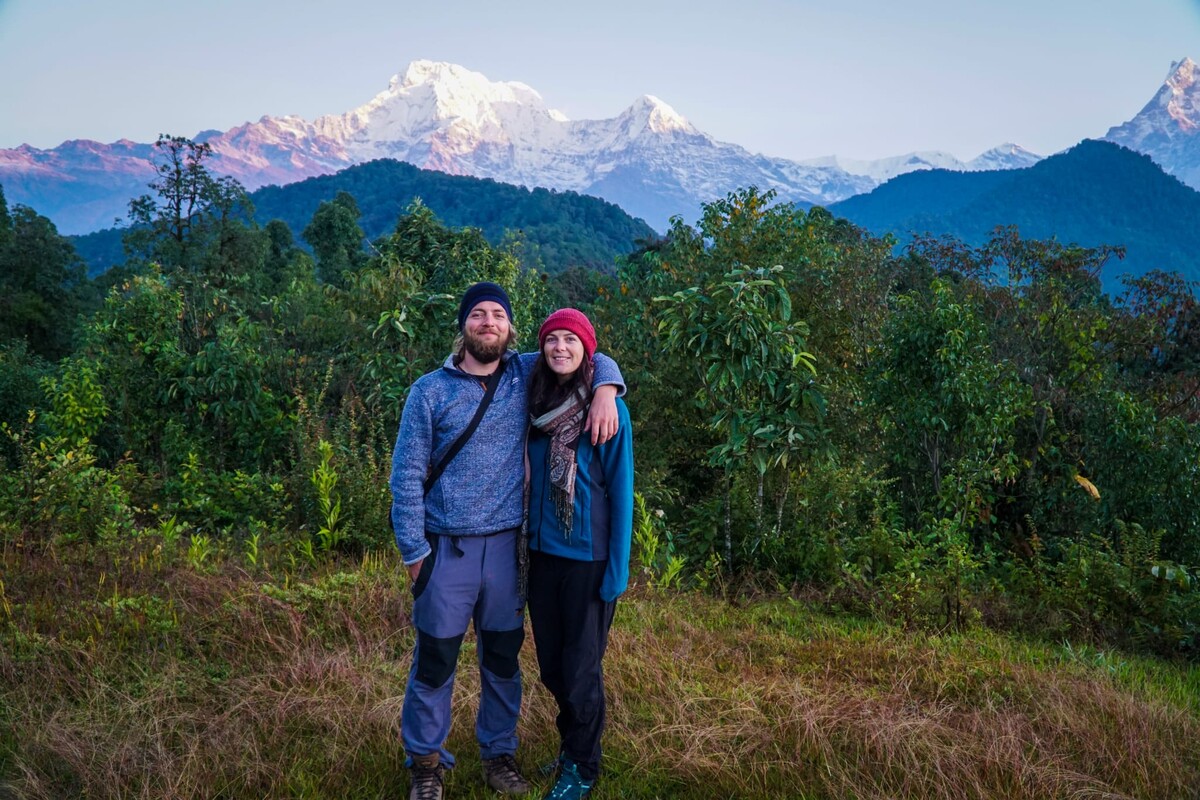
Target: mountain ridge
(649,159)
(1094,193)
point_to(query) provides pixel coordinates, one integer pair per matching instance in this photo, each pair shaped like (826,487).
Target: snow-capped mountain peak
(1005,156)
(1166,126)
(459,88)
(424,71)
(1174,110)
(649,158)
(650,113)
(1180,94)
(430,97)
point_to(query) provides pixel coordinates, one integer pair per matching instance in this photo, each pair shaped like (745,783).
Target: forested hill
(1095,193)
(568,229)
(564,228)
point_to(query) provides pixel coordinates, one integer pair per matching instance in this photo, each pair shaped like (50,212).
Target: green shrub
(1126,593)
(343,462)
(21,376)
(221,502)
(57,491)
(837,518)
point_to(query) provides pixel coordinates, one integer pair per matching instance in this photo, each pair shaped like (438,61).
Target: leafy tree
(626,317)
(748,356)
(6,223)
(1145,470)
(231,388)
(731,325)
(836,281)
(951,405)
(1159,340)
(284,260)
(43,287)
(236,248)
(162,223)
(451,259)
(398,313)
(336,238)
(189,207)
(21,376)
(136,342)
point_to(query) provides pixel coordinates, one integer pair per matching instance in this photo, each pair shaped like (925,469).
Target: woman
(580,526)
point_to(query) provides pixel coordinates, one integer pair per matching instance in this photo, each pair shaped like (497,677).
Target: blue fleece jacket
(602,520)
(481,491)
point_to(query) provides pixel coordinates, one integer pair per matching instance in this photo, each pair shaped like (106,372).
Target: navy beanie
(477,294)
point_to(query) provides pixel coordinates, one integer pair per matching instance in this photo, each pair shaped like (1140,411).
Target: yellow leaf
(1088,487)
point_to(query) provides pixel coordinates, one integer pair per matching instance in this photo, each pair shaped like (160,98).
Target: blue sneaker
(570,786)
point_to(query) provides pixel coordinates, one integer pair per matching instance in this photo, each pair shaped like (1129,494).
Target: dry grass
(834,712)
(127,675)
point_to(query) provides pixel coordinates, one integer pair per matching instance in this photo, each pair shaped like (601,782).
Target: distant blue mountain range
(1095,193)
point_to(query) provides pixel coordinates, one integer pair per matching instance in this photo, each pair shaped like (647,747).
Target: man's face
(485,332)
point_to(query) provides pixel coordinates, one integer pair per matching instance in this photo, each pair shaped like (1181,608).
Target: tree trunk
(787,484)
(759,509)
(728,519)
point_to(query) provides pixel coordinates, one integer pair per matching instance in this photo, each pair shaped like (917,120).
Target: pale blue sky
(860,78)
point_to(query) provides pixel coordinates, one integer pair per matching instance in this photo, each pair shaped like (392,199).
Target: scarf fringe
(564,424)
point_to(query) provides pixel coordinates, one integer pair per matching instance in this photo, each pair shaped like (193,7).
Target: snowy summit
(648,159)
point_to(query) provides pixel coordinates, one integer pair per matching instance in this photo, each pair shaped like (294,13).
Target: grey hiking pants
(465,579)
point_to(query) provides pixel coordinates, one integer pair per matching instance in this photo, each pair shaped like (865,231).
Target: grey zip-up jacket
(482,489)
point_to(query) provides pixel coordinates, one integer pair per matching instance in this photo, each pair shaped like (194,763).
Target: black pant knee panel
(436,658)
(499,651)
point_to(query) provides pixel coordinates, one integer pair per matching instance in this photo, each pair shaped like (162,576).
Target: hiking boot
(570,785)
(503,775)
(426,773)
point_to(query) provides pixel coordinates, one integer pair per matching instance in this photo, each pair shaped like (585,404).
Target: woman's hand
(602,421)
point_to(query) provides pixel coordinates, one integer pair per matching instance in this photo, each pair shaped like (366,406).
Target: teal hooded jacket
(602,520)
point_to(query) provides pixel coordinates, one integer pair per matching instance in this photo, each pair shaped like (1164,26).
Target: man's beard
(481,351)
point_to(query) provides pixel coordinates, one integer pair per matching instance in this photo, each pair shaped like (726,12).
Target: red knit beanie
(573,320)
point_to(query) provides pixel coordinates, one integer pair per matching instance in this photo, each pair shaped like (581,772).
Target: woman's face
(563,352)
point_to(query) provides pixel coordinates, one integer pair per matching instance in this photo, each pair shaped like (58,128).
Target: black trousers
(570,633)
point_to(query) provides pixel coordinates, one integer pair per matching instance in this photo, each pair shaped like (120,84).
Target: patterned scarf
(563,424)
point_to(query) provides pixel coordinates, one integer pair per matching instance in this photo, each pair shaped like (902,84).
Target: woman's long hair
(545,392)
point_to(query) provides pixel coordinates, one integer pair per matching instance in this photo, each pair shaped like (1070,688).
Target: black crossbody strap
(493,382)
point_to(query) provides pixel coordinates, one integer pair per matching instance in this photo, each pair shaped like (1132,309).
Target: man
(459,539)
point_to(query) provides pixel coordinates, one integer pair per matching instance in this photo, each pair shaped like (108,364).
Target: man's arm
(410,465)
(607,384)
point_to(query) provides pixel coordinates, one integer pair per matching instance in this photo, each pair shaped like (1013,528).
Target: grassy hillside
(164,669)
